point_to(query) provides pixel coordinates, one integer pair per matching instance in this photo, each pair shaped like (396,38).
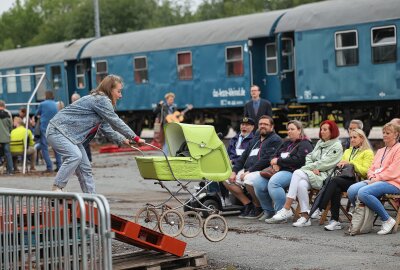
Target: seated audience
(255,158)
(17,138)
(383,178)
(360,155)
(289,157)
(319,164)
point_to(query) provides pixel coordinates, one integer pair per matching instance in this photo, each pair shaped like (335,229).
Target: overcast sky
(6,4)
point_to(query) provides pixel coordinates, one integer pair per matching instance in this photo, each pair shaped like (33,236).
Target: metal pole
(96,18)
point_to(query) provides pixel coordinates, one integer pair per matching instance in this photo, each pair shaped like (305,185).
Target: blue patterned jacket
(79,118)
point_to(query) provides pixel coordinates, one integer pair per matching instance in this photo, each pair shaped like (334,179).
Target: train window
(11,82)
(271,59)
(101,71)
(80,76)
(41,92)
(287,55)
(346,47)
(25,80)
(384,45)
(234,61)
(56,77)
(184,65)
(140,73)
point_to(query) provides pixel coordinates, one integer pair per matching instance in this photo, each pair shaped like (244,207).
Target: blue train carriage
(347,59)
(53,59)
(206,64)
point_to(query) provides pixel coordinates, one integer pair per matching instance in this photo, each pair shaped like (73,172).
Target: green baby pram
(195,154)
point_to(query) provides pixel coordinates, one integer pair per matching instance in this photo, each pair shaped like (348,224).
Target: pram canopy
(206,157)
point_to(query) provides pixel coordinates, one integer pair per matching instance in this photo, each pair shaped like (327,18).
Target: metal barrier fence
(49,230)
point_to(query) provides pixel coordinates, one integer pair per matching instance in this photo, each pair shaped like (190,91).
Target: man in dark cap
(239,143)
(256,157)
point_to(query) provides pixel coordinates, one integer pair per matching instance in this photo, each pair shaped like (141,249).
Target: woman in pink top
(383,177)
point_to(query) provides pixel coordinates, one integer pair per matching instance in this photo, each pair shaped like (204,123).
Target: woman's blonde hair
(365,143)
(107,85)
(392,126)
(298,125)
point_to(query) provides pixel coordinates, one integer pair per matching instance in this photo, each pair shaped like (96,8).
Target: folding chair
(345,210)
(394,201)
(311,194)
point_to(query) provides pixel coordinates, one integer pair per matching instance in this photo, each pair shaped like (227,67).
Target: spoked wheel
(171,223)
(215,228)
(147,217)
(192,224)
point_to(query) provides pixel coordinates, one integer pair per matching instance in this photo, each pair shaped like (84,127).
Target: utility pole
(96,18)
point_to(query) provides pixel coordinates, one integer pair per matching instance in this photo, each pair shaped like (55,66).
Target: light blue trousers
(271,193)
(370,194)
(74,160)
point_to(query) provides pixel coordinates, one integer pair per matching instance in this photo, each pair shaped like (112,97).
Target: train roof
(185,35)
(43,54)
(333,13)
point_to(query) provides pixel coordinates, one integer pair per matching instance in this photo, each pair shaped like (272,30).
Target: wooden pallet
(151,260)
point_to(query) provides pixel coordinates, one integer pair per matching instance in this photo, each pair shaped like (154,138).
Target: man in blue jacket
(239,143)
(256,157)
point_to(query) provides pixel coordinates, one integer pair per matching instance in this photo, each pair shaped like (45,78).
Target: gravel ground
(249,244)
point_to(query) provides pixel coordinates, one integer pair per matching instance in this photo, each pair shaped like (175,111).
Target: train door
(286,63)
(265,68)
(78,77)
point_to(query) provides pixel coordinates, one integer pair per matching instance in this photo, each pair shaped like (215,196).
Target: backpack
(363,219)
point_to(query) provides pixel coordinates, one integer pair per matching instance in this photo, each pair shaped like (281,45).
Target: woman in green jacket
(360,155)
(319,164)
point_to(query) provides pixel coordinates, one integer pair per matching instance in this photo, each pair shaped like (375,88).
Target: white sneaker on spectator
(302,222)
(316,214)
(333,225)
(387,226)
(282,214)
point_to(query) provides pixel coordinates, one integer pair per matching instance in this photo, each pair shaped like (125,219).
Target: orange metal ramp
(134,234)
(137,235)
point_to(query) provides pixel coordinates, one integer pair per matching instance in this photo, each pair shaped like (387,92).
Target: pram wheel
(215,228)
(213,205)
(171,223)
(147,217)
(192,224)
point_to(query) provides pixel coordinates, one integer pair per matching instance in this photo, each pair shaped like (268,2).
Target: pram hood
(201,139)
(207,157)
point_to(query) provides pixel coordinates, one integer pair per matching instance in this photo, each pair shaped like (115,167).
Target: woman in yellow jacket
(360,156)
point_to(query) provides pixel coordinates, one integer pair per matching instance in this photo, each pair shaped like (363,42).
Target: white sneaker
(316,214)
(57,189)
(387,226)
(302,222)
(333,225)
(282,214)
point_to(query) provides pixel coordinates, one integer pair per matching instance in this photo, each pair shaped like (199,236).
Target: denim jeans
(7,154)
(369,194)
(75,160)
(271,193)
(45,152)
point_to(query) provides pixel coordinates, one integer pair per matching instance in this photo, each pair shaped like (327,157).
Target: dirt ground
(249,244)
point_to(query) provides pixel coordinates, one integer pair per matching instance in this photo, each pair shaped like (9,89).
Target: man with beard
(256,157)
